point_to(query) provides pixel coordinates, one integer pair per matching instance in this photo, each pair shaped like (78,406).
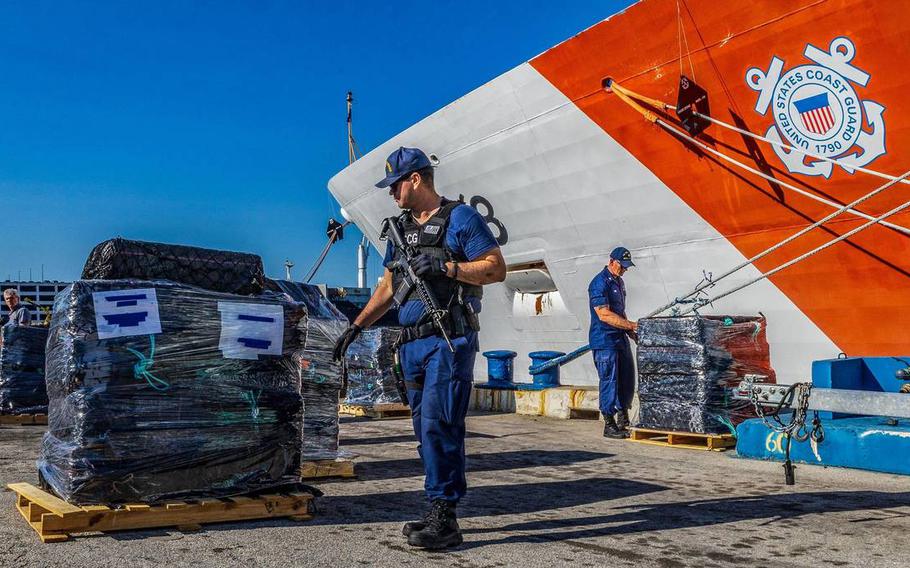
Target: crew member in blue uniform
(609,339)
(457,256)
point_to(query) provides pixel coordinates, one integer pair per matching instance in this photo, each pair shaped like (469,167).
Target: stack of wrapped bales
(320,378)
(688,368)
(22,389)
(160,389)
(216,270)
(370,361)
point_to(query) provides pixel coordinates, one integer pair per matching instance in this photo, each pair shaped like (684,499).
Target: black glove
(427,266)
(346,339)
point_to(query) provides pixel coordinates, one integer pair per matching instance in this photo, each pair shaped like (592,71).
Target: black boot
(441,530)
(611,430)
(415,526)
(622,420)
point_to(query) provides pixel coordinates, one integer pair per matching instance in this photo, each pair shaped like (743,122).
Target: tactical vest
(429,239)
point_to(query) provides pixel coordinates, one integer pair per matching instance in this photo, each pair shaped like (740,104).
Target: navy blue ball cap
(623,256)
(401,162)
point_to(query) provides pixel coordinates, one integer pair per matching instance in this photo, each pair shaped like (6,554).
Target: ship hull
(565,171)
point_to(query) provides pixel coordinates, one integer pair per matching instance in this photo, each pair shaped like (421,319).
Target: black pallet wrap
(320,422)
(221,271)
(320,377)
(204,405)
(323,326)
(689,366)
(370,360)
(22,388)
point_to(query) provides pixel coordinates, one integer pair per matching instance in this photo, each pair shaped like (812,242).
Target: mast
(352,145)
(363,249)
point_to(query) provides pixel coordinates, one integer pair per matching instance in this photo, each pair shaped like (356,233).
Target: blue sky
(218,124)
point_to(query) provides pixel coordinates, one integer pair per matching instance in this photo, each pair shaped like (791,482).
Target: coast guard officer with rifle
(440,254)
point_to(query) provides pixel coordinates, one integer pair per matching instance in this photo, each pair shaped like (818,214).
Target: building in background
(36,296)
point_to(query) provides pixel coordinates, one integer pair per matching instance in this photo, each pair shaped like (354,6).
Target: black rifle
(411,281)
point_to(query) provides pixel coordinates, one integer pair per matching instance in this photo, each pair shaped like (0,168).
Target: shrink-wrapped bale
(320,422)
(688,368)
(322,327)
(370,361)
(218,270)
(320,378)
(160,390)
(22,387)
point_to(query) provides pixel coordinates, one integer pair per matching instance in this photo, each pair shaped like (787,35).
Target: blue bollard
(499,369)
(550,377)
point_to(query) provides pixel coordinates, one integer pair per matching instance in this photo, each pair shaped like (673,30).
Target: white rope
(839,209)
(671,129)
(667,107)
(802,257)
(795,149)
(707,283)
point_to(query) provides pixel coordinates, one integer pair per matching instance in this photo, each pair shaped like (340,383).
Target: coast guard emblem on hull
(816,109)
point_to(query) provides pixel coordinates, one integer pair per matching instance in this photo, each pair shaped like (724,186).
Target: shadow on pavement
(690,514)
(364,441)
(548,497)
(482,501)
(393,469)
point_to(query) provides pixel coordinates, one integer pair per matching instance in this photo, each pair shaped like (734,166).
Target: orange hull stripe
(857,292)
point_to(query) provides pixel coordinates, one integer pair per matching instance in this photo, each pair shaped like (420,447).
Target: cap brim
(383,183)
(626,263)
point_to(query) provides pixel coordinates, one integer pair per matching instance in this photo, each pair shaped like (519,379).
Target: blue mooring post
(550,377)
(499,368)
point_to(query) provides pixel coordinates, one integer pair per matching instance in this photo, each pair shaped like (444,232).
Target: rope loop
(253,400)
(141,367)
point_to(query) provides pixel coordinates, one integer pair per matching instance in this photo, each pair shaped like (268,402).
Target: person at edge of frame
(18,313)
(458,254)
(609,339)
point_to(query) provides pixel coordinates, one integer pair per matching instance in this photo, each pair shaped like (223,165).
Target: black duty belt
(415,332)
(455,322)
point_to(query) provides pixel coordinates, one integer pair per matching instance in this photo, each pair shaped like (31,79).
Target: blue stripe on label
(127,303)
(126,320)
(254,343)
(245,317)
(126,297)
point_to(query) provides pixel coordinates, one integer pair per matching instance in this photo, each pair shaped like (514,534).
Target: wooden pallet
(55,520)
(24,419)
(377,411)
(320,469)
(690,440)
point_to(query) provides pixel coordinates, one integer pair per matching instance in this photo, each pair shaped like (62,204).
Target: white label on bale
(122,313)
(251,330)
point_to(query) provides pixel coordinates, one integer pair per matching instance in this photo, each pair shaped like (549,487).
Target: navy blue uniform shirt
(468,237)
(610,291)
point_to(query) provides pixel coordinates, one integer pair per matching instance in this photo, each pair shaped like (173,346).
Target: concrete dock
(543,492)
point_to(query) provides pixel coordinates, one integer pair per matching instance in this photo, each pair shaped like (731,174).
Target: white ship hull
(567,193)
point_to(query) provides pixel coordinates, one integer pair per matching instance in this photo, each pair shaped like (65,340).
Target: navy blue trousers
(438,409)
(617,378)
